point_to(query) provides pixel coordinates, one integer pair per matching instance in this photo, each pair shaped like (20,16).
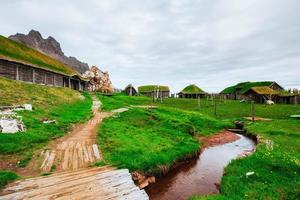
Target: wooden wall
(18,71)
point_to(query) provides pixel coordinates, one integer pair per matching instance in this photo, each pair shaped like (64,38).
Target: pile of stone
(10,122)
(99,80)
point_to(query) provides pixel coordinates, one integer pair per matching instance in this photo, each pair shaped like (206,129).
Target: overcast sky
(211,43)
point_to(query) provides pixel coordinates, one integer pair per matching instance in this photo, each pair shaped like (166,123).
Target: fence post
(252,111)
(199,102)
(215,107)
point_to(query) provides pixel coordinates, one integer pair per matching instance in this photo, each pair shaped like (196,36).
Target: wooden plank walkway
(105,183)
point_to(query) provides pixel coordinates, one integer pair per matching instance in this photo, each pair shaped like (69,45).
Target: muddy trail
(202,175)
(78,149)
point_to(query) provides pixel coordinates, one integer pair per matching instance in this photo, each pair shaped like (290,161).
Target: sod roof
(14,51)
(245,86)
(263,90)
(192,89)
(151,88)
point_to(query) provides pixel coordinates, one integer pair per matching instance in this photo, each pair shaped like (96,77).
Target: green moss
(151,88)
(16,51)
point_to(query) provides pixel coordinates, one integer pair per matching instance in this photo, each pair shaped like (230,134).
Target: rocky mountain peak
(50,47)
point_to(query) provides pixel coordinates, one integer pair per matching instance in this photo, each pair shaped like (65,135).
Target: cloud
(211,43)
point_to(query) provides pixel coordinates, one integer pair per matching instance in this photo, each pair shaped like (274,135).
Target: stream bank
(202,175)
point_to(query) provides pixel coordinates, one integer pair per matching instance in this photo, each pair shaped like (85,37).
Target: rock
(143,181)
(249,174)
(50,47)
(27,107)
(49,122)
(100,80)
(11,126)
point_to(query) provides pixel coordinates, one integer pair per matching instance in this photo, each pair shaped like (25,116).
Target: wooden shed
(130,90)
(154,91)
(191,91)
(261,94)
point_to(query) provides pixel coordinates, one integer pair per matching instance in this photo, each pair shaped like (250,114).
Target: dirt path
(73,178)
(78,149)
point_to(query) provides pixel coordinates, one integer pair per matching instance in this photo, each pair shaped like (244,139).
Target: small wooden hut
(154,91)
(191,91)
(130,90)
(261,94)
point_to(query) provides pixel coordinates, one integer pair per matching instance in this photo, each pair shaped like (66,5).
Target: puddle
(200,176)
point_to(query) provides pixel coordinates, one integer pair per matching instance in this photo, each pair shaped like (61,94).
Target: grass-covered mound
(15,51)
(120,100)
(146,140)
(192,89)
(151,88)
(64,105)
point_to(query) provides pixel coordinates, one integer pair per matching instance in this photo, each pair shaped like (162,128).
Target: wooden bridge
(93,183)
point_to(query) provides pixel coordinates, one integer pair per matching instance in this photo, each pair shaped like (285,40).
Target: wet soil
(202,175)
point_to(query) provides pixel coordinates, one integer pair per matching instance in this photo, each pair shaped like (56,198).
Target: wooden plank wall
(18,71)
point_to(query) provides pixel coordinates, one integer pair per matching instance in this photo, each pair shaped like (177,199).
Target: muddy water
(200,176)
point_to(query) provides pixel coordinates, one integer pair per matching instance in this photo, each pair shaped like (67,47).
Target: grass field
(121,101)
(146,140)
(276,168)
(64,105)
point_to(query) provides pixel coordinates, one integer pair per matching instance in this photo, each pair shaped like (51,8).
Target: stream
(200,176)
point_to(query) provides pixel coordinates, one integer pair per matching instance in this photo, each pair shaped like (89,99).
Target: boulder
(99,80)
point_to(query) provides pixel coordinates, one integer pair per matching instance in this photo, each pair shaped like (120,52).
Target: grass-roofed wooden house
(130,90)
(259,92)
(191,91)
(23,63)
(156,91)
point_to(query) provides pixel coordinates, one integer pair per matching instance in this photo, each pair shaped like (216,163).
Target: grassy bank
(146,140)
(277,169)
(6,177)
(134,142)
(64,105)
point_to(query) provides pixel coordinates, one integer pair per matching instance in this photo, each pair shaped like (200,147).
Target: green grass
(120,101)
(64,105)
(277,171)
(6,177)
(231,109)
(133,140)
(145,140)
(20,52)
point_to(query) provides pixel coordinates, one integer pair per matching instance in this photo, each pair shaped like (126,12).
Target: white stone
(249,174)
(27,106)
(10,126)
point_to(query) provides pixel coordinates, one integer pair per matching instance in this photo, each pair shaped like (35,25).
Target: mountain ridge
(51,47)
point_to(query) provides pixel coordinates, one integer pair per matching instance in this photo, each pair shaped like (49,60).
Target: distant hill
(15,51)
(50,47)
